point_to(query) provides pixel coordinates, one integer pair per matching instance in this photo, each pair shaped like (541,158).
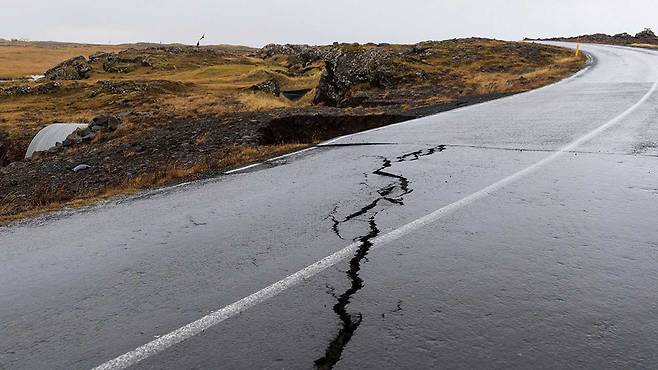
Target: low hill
(645,38)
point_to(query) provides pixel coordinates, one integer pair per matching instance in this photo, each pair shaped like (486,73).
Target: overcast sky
(259,22)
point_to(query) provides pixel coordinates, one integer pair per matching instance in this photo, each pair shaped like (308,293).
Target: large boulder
(328,90)
(73,69)
(348,66)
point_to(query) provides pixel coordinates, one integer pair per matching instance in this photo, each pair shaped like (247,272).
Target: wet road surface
(535,264)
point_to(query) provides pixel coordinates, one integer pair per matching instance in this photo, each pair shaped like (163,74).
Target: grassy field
(21,59)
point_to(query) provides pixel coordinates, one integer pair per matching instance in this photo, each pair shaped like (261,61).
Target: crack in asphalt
(386,191)
(393,194)
(349,322)
(634,153)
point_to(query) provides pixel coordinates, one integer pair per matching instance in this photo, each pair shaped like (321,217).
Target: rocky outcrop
(348,67)
(301,55)
(118,87)
(271,86)
(345,66)
(163,57)
(98,124)
(329,91)
(73,69)
(26,89)
(647,34)
(104,123)
(121,62)
(623,35)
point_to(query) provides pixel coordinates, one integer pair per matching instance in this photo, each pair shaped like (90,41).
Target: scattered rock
(106,123)
(117,87)
(123,62)
(98,124)
(302,55)
(73,69)
(81,167)
(135,86)
(269,87)
(623,35)
(47,87)
(16,90)
(26,89)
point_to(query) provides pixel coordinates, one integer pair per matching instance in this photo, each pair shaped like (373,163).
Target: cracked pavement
(393,194)
(555,270)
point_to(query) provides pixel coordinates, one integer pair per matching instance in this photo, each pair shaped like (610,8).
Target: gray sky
(258,22)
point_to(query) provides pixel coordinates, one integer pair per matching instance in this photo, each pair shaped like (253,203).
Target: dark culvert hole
(315,128)
(295,95)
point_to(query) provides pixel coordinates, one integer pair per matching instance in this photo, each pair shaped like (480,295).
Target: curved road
(519,233)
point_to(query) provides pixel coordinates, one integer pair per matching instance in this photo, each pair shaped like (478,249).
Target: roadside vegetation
(188,113)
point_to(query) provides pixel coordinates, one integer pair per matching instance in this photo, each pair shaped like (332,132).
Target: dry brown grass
(20,59)
(648,46)
(489,83)
(50,200)
(208,89)
(262,101)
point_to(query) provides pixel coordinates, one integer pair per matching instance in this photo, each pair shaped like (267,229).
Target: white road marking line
(168,340)
(243,168)
(269,160)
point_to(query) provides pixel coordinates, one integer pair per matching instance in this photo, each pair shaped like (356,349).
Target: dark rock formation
(645,37)
(328,90)
(623,35)
(26,89)
(301,55)
(271,86)
(106,123)
(73,69)
(345,66)
(118,87)
(98,124)
(119,62)
(647,34)
(348,67)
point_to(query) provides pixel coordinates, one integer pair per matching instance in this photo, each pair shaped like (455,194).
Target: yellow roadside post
(578,49)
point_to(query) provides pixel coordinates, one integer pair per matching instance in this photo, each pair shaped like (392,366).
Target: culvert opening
(295,95)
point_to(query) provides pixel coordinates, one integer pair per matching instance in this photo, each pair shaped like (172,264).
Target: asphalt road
(519,233)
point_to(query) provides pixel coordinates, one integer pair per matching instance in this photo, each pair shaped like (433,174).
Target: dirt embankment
(174,113)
